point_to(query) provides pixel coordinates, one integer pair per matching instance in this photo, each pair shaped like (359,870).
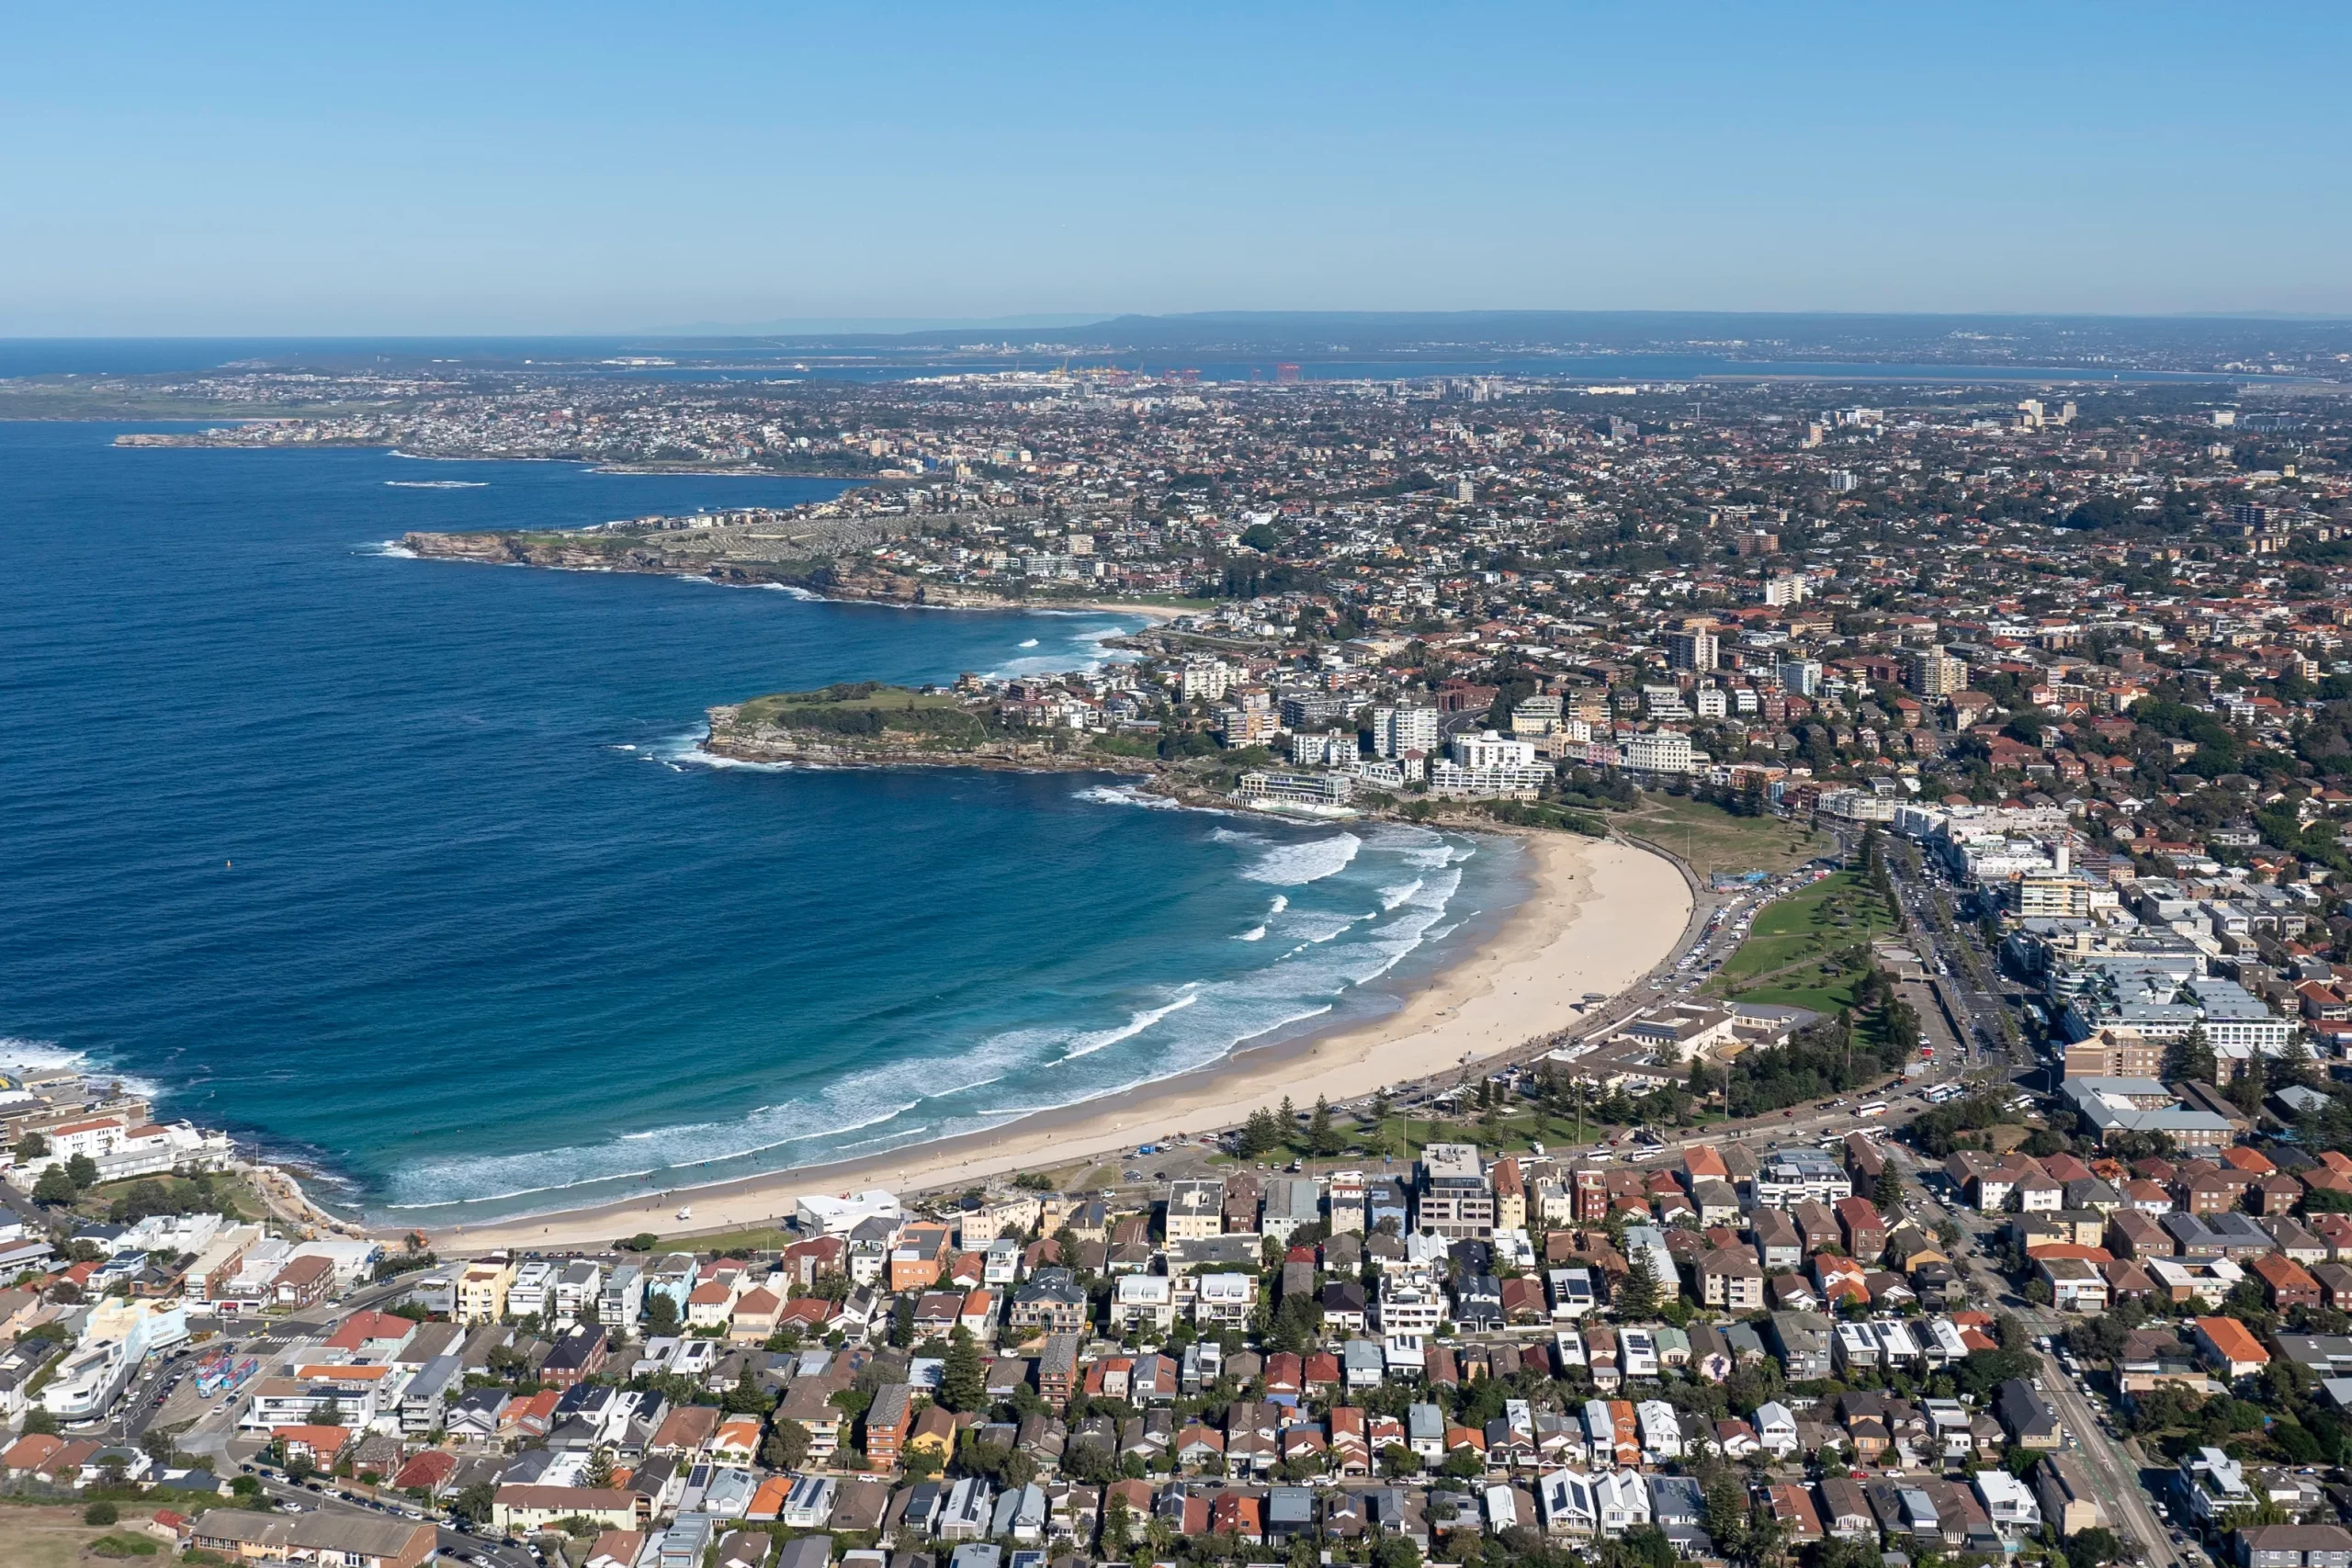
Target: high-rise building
(1784,589)
(1932,672)
(1801,676)
(1691,649)
(1758,542)
(1396,730)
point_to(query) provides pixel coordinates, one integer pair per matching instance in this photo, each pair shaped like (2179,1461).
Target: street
(2114,1467)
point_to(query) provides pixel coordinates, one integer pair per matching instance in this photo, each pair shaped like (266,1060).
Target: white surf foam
(20,1055)
(1295,865)
(683,751)
(438,484)
(1086,1044)
(1031,643)
(1125,795)
(391,550)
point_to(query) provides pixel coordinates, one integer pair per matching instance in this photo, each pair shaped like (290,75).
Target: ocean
(407,868)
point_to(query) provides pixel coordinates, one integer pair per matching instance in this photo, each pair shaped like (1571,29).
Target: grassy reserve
(868,709)
(1713,840)
(35,1536)
(1799,952)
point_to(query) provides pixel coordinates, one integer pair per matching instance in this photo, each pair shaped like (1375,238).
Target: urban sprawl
(1979,1188)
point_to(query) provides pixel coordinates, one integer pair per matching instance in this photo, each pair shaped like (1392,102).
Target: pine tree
(1637,1292)
(963,1379)
(1888,1190)
(1321,1140)
(1260,1135)
(2191,1058)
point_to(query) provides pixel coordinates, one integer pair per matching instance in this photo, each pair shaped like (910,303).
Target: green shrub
(100,1514)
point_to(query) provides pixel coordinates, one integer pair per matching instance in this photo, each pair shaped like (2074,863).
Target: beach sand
(1598,916)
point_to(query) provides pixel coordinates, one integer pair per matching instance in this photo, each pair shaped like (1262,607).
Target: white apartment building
(533,1292)
(1203,680)
(1659,751)
(1327,749)
(1488,750)
(1396,730)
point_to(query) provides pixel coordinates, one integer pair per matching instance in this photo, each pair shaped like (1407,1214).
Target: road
(2115,1467)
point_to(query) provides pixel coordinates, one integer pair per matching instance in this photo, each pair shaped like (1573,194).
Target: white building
(820,1215)
(1659,751)
(1396,730)
(1144,1300)
(1328,749)
(1488,749)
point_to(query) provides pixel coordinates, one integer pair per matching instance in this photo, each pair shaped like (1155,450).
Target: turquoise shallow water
(405,866)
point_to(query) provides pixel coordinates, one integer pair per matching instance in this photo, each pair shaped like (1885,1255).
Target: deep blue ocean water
(405,864)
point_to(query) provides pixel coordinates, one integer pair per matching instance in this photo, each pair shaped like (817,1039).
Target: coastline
(1598,915)
(429,546)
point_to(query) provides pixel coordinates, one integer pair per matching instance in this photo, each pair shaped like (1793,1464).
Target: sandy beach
(1598,916)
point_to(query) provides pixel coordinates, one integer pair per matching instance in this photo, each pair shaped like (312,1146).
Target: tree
(964,1381)
(2191,1058)
(1320,1139)
(749,1396)
(786,1447)
(1115,1525)
(55,1188)
(83,1170)
(1888,1191)
(902,1322)
(643,1241)
(600,1467)
(661,1316)
(100,1514)
(30,1147)
(2095,1547)
(1638,1294)
(39,1422)
(1259,1135)
(474,1503)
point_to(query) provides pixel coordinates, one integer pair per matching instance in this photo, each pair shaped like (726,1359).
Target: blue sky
(497,168)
